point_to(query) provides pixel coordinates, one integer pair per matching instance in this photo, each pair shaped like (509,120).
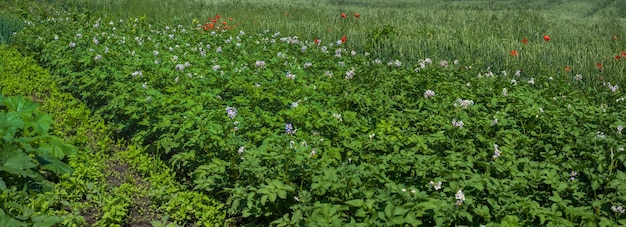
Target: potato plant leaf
(14,161)
(54,165)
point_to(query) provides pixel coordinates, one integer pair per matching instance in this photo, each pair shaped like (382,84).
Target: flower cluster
(617,209)
(443,63)
(573,175)
(494,121)
(295,104)
(290,76)
(259,64)
(578,77)
(463,103)
(496,152)
(349,74)
(231,111)
(338,116)
(428,94)
(136,73)
(600,135)
(460,197)
(423,63)
(436,186)
(217,23)
(241,149)
(456,123)
(289,129)
(613,88)
(180,67)
(395,63)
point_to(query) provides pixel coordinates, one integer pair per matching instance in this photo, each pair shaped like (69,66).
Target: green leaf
(411,220)
(297,216)
(20,105)
(360,213)
(282,194)
(43,124)
(399,211)
(595,185)
(6,220)
(3,186)
(54,165)
(272,197)
(355,202)
(389,210)
(555,197)
(9,123)
(263,200)
(56,149)
(46,221)
(14,161)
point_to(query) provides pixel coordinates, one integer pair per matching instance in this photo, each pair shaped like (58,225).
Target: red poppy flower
(624,54)
(524,41)
(317,41)
(514,53)
(546,38)
(357,15)
(343,15)
(214,21)
(617,57)
(224,23)
(211,25)
(230,18)
(343,39)
(218,16)
(567,69)
(599,66)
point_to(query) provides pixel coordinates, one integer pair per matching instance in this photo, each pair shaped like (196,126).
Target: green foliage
(346,140)
(29,157)
(480,32)
(27,149)
(9,24)
(381,40)
(163,223)
(86,189)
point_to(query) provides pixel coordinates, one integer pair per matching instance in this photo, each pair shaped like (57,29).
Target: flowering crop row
(292,132)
